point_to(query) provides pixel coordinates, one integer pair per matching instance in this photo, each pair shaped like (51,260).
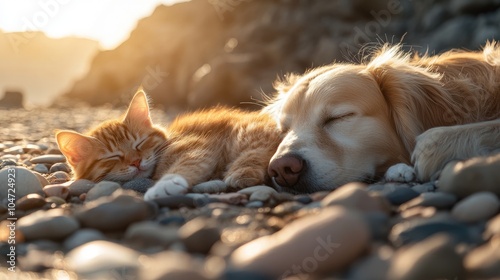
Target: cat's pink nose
(136,163)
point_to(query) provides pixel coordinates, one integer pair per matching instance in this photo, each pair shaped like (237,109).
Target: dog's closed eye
(337,118)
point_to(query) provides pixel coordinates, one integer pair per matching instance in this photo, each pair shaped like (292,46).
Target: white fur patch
(400,173)
(169,184)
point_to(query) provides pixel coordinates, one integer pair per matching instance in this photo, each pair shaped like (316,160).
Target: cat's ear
(138,110)
(75,146)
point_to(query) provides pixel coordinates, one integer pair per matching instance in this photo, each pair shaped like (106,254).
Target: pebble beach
(56,228)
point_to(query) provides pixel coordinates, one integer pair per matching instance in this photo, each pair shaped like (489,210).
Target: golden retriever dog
(351,122)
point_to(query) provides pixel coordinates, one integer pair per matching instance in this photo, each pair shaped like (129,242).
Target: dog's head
(347,122)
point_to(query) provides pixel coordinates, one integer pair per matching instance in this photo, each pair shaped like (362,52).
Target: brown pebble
(355,196)
(49,158)
(60,166)
(54,151)
(60,190)
(80,186)
(59,177)
(31,201)
(82,196)
(327,242)
(432,258)
(484,262)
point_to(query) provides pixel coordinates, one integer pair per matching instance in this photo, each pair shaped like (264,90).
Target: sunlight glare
(107,21)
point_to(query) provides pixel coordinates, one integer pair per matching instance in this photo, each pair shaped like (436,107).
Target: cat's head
(116,150)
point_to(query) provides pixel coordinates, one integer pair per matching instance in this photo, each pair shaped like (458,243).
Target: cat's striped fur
(220,143)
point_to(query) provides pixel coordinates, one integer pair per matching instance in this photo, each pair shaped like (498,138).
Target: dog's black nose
(286,170)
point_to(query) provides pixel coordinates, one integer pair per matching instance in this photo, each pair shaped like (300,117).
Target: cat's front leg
(249,169)
(169,184)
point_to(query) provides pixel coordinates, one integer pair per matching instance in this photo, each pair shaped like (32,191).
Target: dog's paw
(400,173)
(434,148)
(169,184)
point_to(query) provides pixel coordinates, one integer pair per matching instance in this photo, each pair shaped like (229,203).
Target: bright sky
(108,21)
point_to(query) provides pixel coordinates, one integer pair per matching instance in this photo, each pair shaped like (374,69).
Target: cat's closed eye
(138,146)
(113,157)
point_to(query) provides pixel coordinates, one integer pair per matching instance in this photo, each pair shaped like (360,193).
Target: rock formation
(207,52)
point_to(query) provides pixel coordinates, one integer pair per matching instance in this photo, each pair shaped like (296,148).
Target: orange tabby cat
(220,143)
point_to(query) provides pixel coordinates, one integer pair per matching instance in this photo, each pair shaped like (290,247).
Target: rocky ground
(66,229)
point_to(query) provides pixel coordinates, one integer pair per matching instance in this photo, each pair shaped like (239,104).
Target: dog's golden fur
(351,121)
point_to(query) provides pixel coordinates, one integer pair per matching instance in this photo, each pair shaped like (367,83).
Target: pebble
(200,199)
(398,194)
(55,200)
(60,190)
(81,237)
(199,235)
(304,199)
(80,186)
(115,212)
(59,177)
(379,225)
(326,242)
(244,275)
(179,265)
(214,186)
(31,201)
(54,151)
(420,212)
(172,220)
(50,158)
(33,148)
(102,189)
(355,196)
(7,162)
(433,258)
(16,150)
(263,196)
(474,175)
(230,198)
(24,182)
(424,188)
(52,224)
(493,227)
(254,204)
(176,201)
(484,262)
(41,168)
(41,179)
(287,208)
(60,166)
(140,185)
(417,230)
(375,266)
(439,200)
(148,233)
(103,260)
(476,207)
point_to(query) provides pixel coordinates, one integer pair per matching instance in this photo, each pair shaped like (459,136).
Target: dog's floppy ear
(415,95)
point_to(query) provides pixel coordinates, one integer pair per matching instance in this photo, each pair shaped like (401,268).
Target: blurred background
(199,53)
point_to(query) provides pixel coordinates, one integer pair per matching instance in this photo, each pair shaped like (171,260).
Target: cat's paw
(169,184)
(400,173)
(244,178)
